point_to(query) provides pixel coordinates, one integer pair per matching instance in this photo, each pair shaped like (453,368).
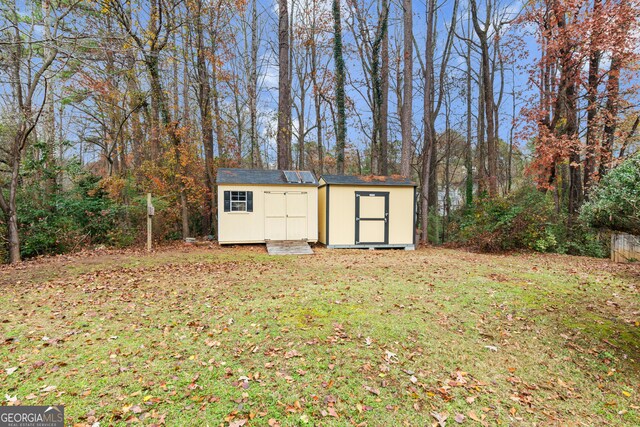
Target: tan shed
(256,206)
(367,212)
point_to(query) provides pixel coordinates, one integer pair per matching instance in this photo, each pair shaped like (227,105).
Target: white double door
(285,215)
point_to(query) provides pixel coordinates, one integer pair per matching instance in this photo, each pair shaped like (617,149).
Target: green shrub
(70,220)
(615,202)
(586,241)
(42,232)
(523,220)
(526,219)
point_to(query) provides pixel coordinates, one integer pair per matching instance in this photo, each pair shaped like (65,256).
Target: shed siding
(249,227)
(322,214)
(342,213)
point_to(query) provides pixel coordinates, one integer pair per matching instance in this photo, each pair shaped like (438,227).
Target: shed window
(238,201)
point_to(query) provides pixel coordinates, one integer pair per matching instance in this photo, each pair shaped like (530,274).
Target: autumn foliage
(586,67)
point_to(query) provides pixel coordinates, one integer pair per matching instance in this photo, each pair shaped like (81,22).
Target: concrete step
(288,247)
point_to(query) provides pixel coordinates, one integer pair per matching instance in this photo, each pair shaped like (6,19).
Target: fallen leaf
(11,370)
(459,418)
(372,390)
(441,418)
(473,416)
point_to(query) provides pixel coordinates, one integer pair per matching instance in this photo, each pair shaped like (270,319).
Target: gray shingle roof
(367,180)
(256,176)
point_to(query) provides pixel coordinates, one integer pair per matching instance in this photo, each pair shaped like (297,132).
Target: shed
(256,206)
(367,211)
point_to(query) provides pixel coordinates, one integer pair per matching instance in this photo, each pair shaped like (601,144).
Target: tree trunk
(151,61)
(489,105)
(433,171)
(136,132)
(407,99)
(481,146)
(217,117)
(255,158)
(186,82)
(427,148)
(511,130)
(341,119)
(446,202)
(301,130)
(317,95)
(48,113)
(206,121)
(9,207)
(611,121)
(284,89)
(317,100)
(377,88)
(575,178)
(384,106)
(592,108)
(468,155)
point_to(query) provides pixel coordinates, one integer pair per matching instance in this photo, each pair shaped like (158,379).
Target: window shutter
(249,201)
(227,201)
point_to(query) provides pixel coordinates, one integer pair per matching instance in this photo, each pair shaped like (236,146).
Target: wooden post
(150,213)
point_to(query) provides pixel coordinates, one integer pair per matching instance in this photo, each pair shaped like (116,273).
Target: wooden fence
(625,247)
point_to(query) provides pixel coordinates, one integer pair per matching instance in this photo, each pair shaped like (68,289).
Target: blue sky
(269,72)
(457,66)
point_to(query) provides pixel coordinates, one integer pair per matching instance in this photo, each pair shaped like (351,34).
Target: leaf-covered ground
(211,336)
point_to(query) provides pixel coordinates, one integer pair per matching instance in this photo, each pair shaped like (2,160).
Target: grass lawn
(211,336)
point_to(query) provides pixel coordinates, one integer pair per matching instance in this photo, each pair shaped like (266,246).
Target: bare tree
(341,126)
(151,43)
(255,158)
(203,92)
(28,75)
(482,31)
(432,103)
(383,127)
(284,88)
(406,114)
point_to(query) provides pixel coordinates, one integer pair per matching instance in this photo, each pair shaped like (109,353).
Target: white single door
(275,212)
(297,216)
